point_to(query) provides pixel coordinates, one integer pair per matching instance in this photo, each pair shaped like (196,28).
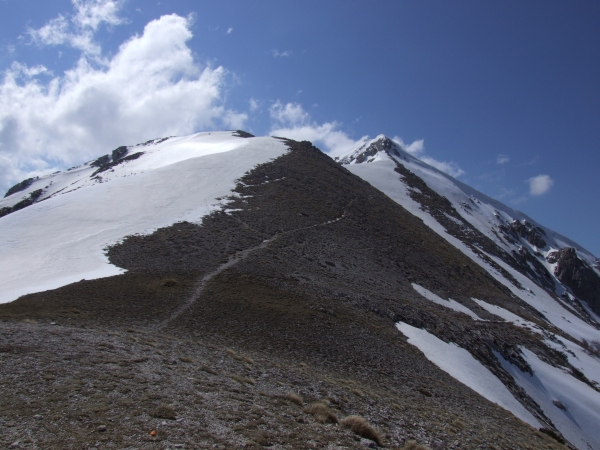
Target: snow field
(62,239)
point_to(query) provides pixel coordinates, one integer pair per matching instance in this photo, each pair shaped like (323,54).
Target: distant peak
(368,150)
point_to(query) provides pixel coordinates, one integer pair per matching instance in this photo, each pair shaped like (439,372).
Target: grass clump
(321,412)
(360,426)
(169,282)
(164,411)
(242,380)
(294,398)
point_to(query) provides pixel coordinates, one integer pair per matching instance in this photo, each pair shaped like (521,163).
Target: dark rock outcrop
(532,234)
(242,134)
(578,276)
(19,187)
(27,201)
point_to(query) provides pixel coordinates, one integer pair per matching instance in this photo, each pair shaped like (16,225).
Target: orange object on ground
(153,433)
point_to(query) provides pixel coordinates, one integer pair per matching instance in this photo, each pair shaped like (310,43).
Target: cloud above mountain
(540,184)
(151,87)
(292,121)
(417,149)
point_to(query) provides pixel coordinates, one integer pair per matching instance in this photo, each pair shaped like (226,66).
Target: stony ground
(221,335)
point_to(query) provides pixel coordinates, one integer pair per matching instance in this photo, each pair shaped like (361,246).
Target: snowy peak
(486,227)
(368,151)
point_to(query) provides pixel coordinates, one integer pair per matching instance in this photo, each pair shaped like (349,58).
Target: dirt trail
(232,261)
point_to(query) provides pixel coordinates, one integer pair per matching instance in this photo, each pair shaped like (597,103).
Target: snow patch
(578,421)
(452,304)
(462,366)
(508,316)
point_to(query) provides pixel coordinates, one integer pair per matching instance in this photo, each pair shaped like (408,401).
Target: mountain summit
(223,290)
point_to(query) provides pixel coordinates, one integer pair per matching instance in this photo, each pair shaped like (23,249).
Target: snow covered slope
(55,229)
(547,271)
(487,227)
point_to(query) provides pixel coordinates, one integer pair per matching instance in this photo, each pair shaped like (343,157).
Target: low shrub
(360,426)
(321,412)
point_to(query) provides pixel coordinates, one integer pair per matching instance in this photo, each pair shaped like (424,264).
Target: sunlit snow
(461,365)
(552,387)
(452,304)
(62,239)
(508,316)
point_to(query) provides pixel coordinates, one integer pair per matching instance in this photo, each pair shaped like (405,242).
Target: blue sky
(503,94)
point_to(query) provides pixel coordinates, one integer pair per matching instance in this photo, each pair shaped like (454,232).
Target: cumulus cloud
(151,87)
(540,184)
(77,30)
(502,159)
(417,149)
(291,121)
(289,114)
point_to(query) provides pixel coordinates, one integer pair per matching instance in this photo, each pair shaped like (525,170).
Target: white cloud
(289,114)
(229,30)
(291,121)
(540,184)
(502,159)
(78,30)
(152,87)
(417,149)
(277,54)
(91,13)
(253,103)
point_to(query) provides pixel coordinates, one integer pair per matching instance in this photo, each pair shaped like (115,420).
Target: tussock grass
(321,412)
(360,426)
(357,392)
(164,411)
(208,369)
(294,398)
(242,380)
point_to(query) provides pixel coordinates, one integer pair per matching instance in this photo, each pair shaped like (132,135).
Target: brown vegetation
(360,426)
(164,411)
(321,412)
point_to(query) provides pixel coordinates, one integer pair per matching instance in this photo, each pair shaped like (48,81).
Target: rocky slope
(295,289)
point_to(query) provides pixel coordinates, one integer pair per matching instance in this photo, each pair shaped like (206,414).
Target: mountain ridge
(303,260)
